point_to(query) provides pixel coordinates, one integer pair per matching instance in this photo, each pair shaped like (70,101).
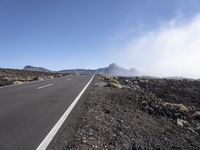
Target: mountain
(116,70)
(112,69)
(38,69)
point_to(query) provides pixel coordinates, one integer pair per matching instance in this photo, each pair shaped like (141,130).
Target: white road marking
(54,130)
(68,78)
(25,83)
(45,86)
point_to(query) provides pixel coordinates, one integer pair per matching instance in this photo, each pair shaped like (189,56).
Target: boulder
(129,82)
(29,78)
(40,79)
(197,129)
(176,107)
(18,82)
(144,103)
(108,78)
(196,115)
(35,78)
(8,79)
(112,82)
(115,85)
(101,84)
(51,77)
(182,123)
(115,81)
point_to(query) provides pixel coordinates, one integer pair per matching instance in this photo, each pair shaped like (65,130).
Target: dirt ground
(136,114)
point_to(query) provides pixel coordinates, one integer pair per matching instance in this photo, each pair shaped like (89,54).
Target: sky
(158,37)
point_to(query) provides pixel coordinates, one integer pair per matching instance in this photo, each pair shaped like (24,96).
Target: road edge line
(46,141)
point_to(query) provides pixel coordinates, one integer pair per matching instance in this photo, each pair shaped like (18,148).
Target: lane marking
(26,83)
(45,86)
(46,141)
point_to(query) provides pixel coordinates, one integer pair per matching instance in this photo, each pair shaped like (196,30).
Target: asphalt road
(28,112)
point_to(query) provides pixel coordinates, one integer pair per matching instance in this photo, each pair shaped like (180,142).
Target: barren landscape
(136,114)
(100,75)
(12,76)
(127,113)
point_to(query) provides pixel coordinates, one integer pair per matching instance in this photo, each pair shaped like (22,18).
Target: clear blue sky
(61,34)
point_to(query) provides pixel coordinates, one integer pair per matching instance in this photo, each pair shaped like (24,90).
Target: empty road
(28,112)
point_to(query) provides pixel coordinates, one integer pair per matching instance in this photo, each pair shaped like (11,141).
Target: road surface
(28,112)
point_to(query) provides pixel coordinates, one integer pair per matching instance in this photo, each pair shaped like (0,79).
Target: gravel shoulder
(135,114)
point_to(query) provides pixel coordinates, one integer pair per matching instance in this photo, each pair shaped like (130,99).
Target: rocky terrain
(136,114)
(12,76)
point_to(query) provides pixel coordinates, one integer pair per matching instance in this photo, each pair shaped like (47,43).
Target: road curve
(28,112)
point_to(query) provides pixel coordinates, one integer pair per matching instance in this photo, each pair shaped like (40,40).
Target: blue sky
(60,34)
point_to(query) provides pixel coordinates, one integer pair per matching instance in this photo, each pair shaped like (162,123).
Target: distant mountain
(112,69)
(115,70)
(38,69)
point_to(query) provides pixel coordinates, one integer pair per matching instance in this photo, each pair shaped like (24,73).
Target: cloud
(171,50)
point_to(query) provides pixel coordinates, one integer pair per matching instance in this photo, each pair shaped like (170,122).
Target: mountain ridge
(38,69)
(113,70)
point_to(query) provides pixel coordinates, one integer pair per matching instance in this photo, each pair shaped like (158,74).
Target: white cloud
(172,50)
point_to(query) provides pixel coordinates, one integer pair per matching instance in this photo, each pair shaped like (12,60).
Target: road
(28,112)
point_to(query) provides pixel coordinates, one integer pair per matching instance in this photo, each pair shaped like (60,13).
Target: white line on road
(44,86)
(26,83)
(54,130)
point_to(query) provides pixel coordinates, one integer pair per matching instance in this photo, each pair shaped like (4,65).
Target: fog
(171,50)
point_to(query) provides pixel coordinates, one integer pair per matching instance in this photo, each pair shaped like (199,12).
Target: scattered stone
(40,79)
(29,78)
(113,82)
(7,79)
(196,115)
(126,87)
(197,129)
(182,123)
(192,108)
(108,78)
(115,85)
(35,78)
(18,82)
(127,81)
(101,84)
(51,77)
(176,107)
(136,87)
(144,103)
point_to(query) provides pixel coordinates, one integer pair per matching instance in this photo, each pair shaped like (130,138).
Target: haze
(160,38)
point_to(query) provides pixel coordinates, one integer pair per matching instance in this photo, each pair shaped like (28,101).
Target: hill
(38,69)
(112,69)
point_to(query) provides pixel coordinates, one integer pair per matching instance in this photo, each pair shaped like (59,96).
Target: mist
(171,50)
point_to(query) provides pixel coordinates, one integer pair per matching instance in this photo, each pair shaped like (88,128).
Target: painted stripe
(25,83)
(45,86)
(44,144)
